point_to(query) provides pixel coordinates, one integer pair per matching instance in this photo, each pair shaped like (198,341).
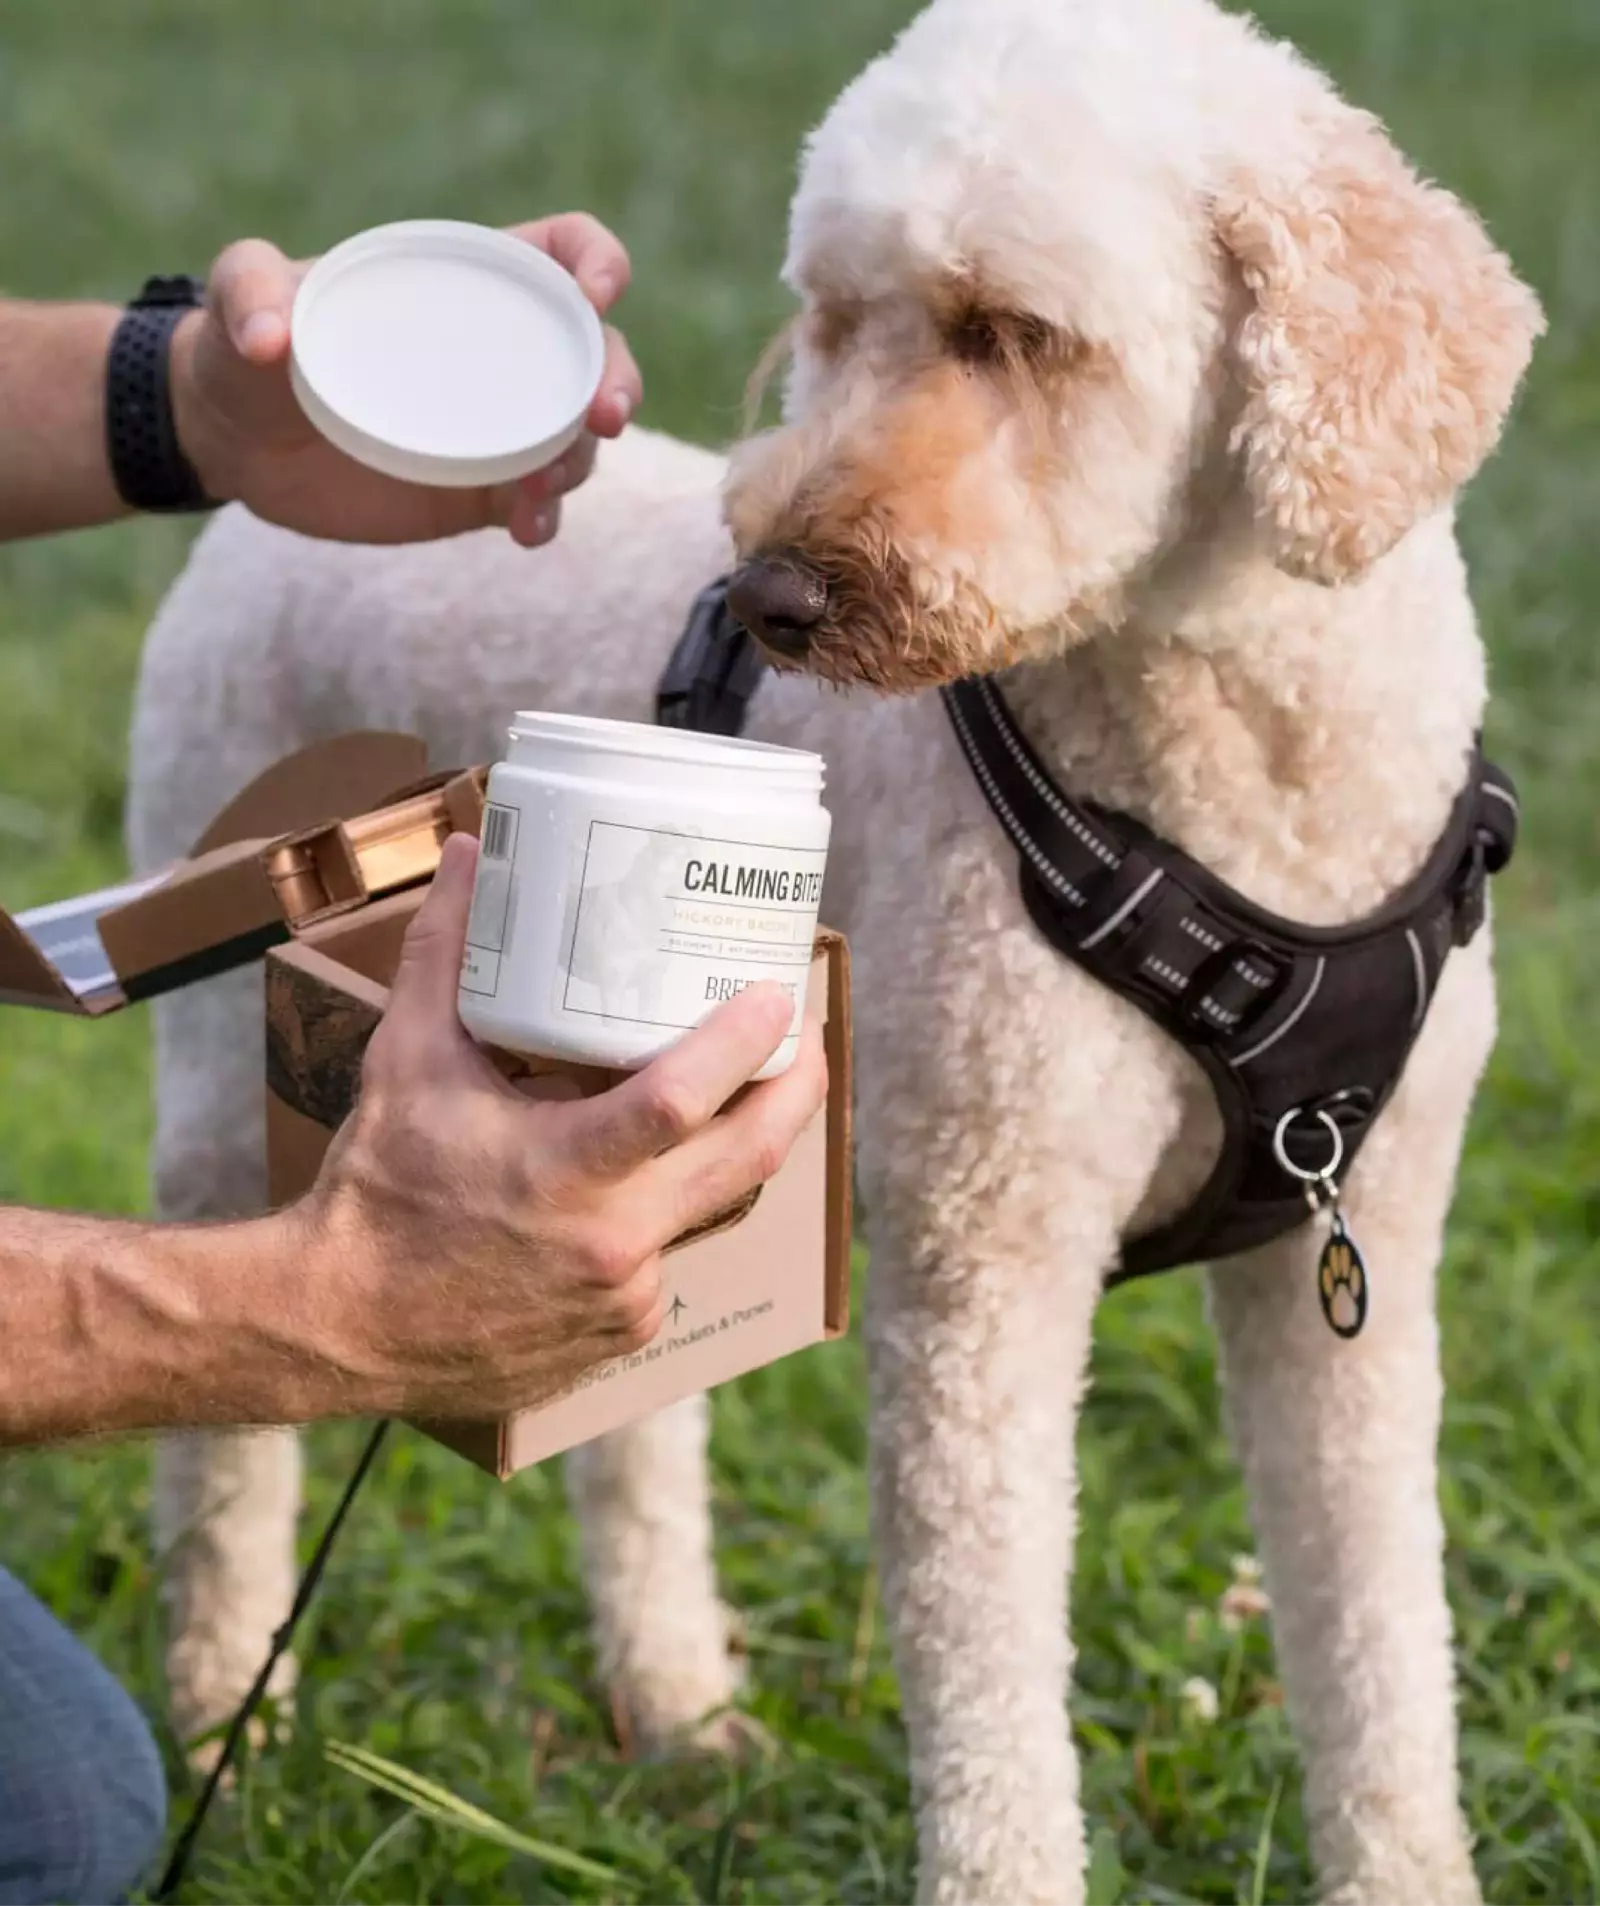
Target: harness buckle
(1471,893)
(1119,901)
(1230,987)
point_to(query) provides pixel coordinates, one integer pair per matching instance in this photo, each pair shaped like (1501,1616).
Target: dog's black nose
(780,602)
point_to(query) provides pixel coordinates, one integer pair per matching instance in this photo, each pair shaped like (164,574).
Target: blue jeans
(83,1802)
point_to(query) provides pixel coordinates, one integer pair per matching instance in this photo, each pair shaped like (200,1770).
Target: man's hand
(465,1251)
(250,442)
(483,1250)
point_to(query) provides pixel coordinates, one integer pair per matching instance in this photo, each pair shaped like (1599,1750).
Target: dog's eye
(975,338)
(1000,337)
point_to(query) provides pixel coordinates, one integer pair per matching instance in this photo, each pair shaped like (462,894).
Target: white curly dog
(1134,364)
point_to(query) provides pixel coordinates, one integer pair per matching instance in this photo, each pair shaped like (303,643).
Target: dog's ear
(775,356)
(1385,341)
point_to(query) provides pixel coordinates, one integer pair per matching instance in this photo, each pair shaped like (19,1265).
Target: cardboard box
(320,864)
(322,832)
(766,1278)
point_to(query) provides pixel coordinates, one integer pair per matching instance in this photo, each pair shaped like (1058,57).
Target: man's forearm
(108,1327)
(54,474)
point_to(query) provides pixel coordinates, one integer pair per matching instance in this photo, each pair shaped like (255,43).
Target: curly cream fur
(1120,338)
(1387,339)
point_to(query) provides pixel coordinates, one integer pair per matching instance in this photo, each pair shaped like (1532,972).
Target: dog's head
(1082,281)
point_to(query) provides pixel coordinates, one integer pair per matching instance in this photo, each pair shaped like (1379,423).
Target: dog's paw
(658,1721)
(1031,1854)
(961,1887)
(1447,1881)
(676,1698)
(732,1735)
(1388,1893)
(724,1733)
(204,1696)
(259,1732)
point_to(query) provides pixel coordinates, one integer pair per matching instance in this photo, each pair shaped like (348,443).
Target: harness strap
(1281,1017)
(1116,902)
(713,672)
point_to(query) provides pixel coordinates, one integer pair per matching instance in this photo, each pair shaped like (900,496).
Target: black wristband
(147,463)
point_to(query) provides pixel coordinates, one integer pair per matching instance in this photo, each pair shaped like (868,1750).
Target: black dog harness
(1303,1031)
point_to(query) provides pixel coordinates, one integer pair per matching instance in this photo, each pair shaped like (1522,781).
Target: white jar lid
(445,353)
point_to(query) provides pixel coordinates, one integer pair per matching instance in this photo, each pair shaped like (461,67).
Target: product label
(669,924)
(491,902)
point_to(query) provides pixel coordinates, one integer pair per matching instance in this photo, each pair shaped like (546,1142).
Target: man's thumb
(430,961)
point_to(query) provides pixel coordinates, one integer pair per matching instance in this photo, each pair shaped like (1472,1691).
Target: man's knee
(85,1834)
(82,1795)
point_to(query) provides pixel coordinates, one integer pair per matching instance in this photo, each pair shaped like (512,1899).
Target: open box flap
(329,780)
(208,916)
(53,957)
(97,951)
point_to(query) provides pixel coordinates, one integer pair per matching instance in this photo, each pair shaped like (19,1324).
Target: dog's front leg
(226,1507)
(644,1513)
(1339,1442)
(977,1359)
(226,1502)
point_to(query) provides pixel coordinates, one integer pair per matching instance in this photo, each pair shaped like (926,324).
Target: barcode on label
(499,832)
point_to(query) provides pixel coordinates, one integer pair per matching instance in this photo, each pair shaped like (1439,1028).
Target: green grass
(449,1637)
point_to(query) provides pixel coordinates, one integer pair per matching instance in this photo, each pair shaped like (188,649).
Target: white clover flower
(1200,1701)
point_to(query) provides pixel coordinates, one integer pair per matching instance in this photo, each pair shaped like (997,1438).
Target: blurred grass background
(140,135)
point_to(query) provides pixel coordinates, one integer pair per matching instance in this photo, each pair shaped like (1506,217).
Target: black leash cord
(178,1864)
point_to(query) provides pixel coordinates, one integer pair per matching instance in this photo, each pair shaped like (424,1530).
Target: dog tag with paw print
(1342,1281)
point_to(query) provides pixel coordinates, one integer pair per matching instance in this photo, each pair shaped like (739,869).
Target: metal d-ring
(1326,1174)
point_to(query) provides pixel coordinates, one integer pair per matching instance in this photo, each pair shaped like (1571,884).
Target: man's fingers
(531,509)
(423,1024)
(571,468)
(583,246)
(734,1153)
(533,521)
(636,1309)
(672,1098)
(251,290)
(621,388)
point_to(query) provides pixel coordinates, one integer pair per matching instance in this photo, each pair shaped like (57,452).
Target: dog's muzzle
(780,601)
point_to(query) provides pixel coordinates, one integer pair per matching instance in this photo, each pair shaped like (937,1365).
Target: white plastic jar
(630,879)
